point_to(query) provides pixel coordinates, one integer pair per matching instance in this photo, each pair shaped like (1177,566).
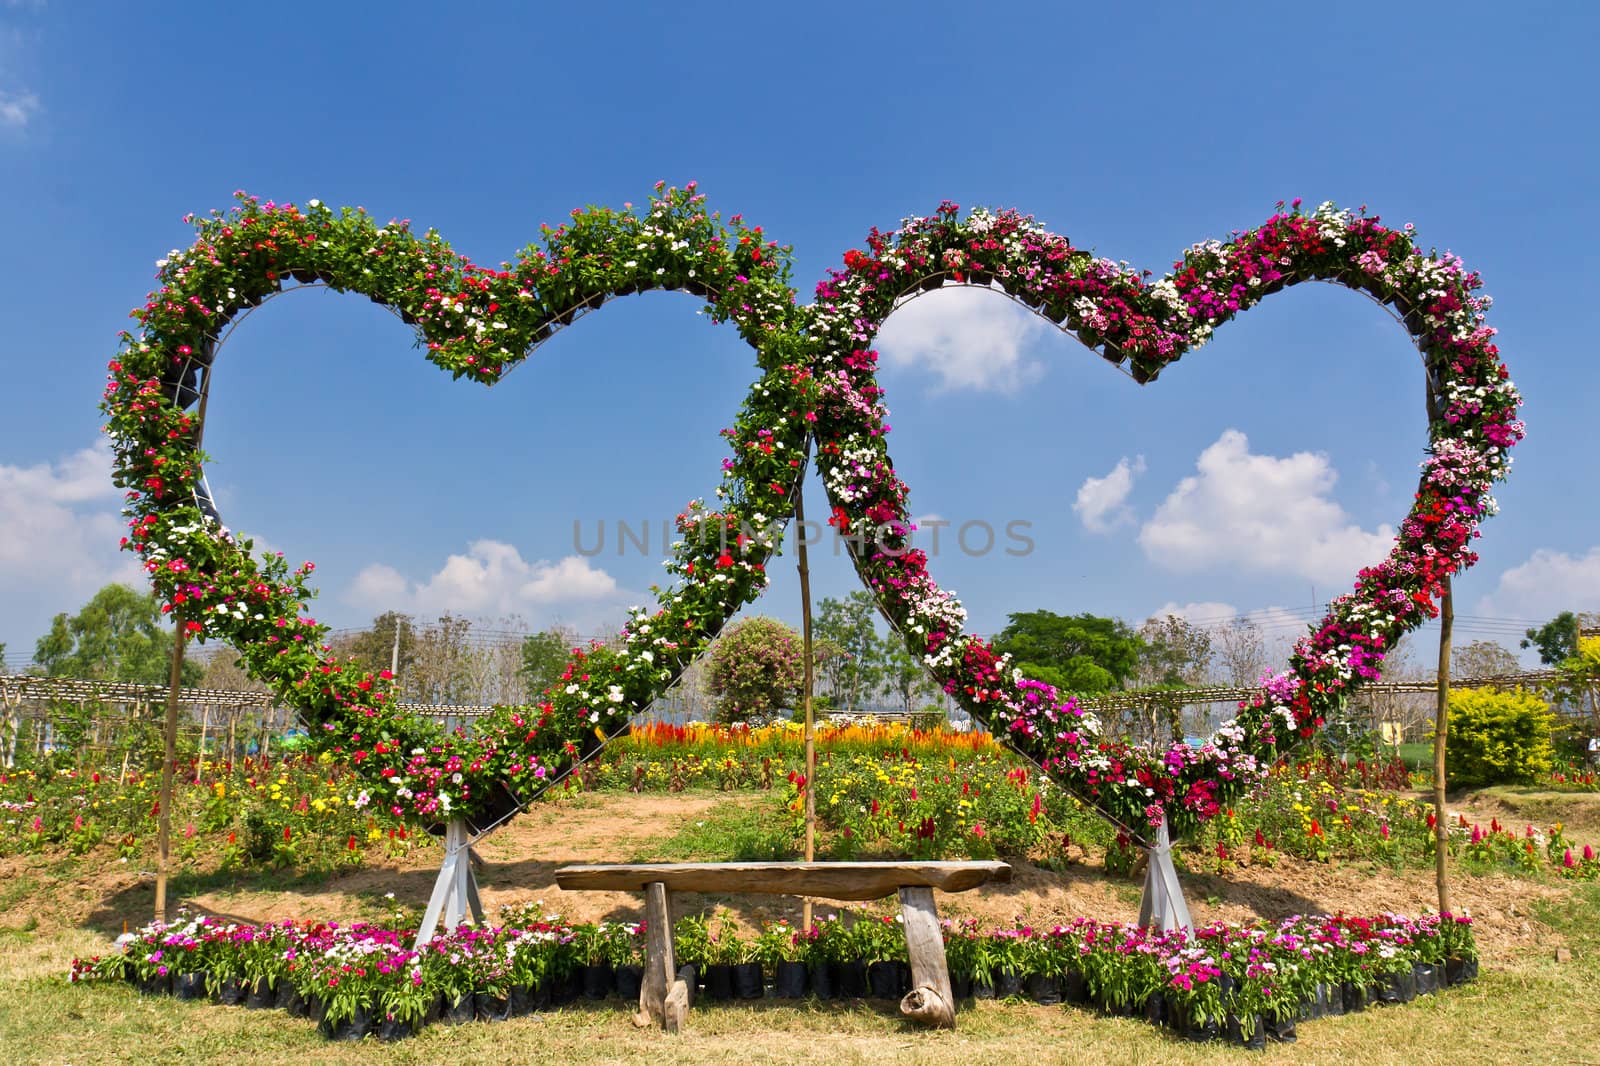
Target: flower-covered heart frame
(818,385)
(476,323)
(1472,426)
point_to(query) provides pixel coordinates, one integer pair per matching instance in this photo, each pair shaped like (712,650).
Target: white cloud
(1204,614)
(17,108)
(1261,515)
(1102,502)
(491,579)
(61,526)
(970,338)
(1547,584)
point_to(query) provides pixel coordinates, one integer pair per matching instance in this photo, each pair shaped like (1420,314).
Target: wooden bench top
(830,880)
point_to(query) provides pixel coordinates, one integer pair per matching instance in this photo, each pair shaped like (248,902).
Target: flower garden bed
(302,811)
(1245,983)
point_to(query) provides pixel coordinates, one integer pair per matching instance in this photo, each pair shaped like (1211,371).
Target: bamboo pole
(806,686)
(205,720)
(174,683)
(164,822)
(1441,731)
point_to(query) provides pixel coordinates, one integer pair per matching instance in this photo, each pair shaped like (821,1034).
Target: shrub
(1498,737)
(755,668)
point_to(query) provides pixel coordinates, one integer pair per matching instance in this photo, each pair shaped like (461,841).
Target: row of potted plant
(1249,981)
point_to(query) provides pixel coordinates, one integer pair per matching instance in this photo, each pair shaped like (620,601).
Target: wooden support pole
(930,1001)
(1441,733)
(660,1003)
(200,762)
(807,681)
(170,756)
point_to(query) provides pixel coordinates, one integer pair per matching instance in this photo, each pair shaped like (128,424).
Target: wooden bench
(664,994)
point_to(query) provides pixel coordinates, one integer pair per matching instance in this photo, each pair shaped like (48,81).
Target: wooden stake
(205,720)
(806,686)
(164,822)
(1441,731)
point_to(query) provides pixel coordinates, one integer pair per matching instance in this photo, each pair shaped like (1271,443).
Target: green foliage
(298,813)
(1498,737)
(734,831)
(981,806)
(1557,639)
(691,941)
(905,676)
(544,658)
(374,648)
(852,665)
(755,669)
(119,635)
(1078,653)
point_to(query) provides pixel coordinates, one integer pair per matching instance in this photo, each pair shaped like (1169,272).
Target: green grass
(1534,1012)
(735,830)
(1417,755)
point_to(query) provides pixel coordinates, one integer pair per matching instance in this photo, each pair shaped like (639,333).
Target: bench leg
(930,1001)
(661,1002)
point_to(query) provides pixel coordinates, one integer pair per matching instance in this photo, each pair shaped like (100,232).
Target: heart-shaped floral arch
(1472,425)
(476,323)
(818,385)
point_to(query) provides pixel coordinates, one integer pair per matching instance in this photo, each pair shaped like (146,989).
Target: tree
(544,658)
(444,667)
(495,668)
(905,676)
(1241,652)
(850,625)
(1581,675)
(1078,653)
(119,635)
(755,668)
(225,670)
(1483,658)
(1557,639)
(1175,652)
(373,648)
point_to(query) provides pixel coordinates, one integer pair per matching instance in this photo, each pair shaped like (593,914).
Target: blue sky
(1257,476)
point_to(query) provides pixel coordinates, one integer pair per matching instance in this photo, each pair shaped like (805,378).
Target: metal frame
(1162,906)
(455,890)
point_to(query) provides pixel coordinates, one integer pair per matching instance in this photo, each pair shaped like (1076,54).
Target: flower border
(1149,325)
(477,323)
